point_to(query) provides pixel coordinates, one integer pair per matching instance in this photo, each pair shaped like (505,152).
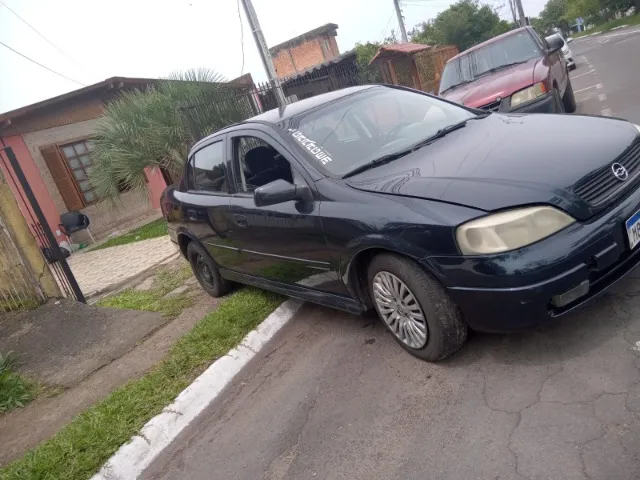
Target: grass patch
(15,391)
(81,448)
(605,27)
(152,300)
(157,228)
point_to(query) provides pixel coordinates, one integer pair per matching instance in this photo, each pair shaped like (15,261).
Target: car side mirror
(555,44)
(280,191)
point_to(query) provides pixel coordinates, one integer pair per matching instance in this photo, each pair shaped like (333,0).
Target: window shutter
(62,177)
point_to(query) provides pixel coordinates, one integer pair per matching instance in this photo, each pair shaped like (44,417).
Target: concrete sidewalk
(100,271)
(334,397)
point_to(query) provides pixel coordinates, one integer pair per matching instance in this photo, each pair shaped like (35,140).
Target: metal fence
(226,106)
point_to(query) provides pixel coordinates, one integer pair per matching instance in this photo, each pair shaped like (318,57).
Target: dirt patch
(128,356)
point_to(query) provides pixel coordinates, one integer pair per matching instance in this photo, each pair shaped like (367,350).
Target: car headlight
(509,230)
(528,94)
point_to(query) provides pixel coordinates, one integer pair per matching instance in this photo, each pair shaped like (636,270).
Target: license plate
(633,230)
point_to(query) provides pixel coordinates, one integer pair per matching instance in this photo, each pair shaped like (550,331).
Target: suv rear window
(517,48)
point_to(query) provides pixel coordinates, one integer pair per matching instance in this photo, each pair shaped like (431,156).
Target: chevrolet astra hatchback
(441,217)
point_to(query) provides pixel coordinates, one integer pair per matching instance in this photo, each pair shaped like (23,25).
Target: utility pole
(261,43)
(513,12)
(403,31)
(523,20)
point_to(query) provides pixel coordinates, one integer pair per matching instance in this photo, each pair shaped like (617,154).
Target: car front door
(205,204)
(283,242)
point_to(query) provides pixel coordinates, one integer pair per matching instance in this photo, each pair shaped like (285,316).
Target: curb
(133,458)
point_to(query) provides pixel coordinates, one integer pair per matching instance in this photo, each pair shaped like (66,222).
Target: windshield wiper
(500,67)
(394,156)
(455,86)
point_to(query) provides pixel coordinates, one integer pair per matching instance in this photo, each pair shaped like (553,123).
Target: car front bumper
(521,289)
(544,104)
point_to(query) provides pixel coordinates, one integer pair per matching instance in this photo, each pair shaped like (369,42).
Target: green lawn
(157,228)
(632,20)
(83,446)
(15,391)
(152,300)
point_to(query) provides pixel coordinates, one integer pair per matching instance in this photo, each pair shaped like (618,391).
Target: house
(52,142)
(304,51)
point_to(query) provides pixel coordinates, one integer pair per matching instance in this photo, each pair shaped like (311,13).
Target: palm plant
(156,127)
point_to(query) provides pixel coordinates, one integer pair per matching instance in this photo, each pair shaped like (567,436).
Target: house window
(77,156)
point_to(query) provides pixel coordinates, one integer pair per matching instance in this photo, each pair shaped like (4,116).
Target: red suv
(515,72)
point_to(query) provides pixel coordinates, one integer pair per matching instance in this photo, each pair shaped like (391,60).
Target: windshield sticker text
(310,145)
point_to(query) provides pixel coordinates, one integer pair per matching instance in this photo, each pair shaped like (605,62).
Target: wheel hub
(400,309)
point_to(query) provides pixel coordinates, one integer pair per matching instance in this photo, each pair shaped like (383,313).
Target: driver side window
(256,163)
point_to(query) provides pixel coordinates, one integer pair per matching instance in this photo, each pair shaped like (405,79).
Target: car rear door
(283,242)
(205,204)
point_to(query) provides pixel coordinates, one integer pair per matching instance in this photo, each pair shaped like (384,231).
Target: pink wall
(156,185)
(35,181)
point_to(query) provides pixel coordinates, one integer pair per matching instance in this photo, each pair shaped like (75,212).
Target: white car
(566,51)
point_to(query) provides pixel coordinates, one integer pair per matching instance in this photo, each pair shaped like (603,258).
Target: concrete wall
(105,217)
(37,180)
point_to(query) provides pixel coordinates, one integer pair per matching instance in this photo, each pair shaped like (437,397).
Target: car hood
(500,84)
(504,161)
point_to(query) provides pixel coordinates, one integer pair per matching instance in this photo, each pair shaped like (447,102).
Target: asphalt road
(334,397)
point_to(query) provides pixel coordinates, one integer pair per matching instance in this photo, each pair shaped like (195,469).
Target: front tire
(415,308)
(569,99)
(206,271)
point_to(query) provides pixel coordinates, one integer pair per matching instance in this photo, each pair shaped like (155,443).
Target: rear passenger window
(209,171)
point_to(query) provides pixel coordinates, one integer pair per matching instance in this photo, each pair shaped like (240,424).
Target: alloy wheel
(400,310)
(203,270)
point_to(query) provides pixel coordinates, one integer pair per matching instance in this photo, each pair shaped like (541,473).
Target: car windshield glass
(379,121)
(512,49)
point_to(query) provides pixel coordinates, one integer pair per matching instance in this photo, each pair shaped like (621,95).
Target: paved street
(334,397)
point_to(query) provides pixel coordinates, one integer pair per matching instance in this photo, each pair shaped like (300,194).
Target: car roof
(488,42)
(279,114)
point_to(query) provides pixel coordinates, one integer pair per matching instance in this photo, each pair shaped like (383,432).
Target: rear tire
(206,271)
(569,99)
(423,319)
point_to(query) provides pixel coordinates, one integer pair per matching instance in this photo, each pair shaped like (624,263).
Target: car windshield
(357,129)
(516,48)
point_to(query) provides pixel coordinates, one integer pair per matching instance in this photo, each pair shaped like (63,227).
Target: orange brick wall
(305,55)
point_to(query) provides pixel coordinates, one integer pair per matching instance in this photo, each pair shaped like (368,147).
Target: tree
(155,128)
(554,14)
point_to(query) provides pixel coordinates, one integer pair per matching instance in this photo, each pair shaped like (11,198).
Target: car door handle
(241,220)
(192,214)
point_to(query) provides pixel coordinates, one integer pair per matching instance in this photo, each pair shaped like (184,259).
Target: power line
(384,30)
(43,66)
(241,37)
(41,35)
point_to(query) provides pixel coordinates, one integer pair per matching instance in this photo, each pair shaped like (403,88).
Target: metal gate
(45,238)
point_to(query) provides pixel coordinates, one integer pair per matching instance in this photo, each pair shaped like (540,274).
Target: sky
(96,40)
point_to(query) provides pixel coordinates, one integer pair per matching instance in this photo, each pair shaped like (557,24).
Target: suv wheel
(206,271)
(569,99)
(557,100)
(415,308)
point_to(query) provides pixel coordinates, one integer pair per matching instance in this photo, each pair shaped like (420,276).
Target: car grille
(492,107)
(602,185)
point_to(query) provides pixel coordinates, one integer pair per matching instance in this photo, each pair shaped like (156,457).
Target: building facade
(52,142)
(304,51)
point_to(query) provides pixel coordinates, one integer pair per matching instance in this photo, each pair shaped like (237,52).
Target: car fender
(388,243)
